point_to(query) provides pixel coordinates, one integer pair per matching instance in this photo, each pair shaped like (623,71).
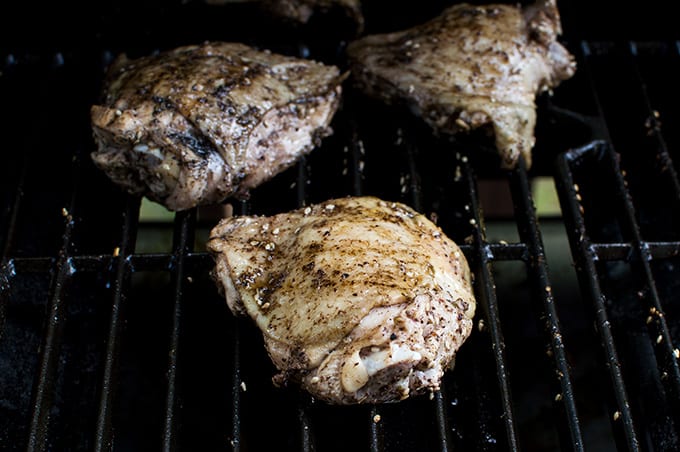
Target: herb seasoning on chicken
(198,124)
(359,300)
(470,67)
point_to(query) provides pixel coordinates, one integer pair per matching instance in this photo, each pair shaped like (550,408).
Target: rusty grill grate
(107,345)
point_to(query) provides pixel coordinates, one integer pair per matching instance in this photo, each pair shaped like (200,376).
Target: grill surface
(112,338)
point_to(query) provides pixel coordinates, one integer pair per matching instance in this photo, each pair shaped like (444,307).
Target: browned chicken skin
(198,124)
(471,66)
(359,299)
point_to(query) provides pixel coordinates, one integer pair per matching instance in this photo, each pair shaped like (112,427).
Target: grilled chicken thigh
(197,124)
(359,299)
(471,66)
(302,10)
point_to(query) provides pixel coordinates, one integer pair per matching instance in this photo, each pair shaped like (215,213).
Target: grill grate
(635,237)
(103,346)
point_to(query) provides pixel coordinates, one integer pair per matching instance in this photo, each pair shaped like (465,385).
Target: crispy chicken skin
(359,300)
(471,66)
(200,123)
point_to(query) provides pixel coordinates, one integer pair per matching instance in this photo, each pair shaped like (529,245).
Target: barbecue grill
(113,335)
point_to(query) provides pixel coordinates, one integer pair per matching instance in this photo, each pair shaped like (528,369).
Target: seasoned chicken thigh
(470,67)
(198,124)
(302,10)
(359,299)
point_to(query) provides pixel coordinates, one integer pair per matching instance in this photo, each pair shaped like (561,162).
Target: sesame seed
(473,221)
(64,212)
(462,124)
(243,386)
(676,353)
(659,339)
(118,112)
(308,210)
(376,418)
(315,380)
(116,251)
(276,231)
(330,207)
(558,397)
(617,415)
(270,246)
(480,325)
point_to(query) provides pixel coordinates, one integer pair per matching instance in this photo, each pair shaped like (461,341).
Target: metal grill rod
(662,150)
(658,327)
(588,277)
(104,433)
(530,234)
(489,303)
(43,392)
(184,239)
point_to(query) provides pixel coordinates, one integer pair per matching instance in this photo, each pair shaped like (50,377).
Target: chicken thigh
(301,10)
(198,124)
(471,66)
(359,299)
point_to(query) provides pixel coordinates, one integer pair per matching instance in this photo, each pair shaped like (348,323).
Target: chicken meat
(359,300)
(197,124)
(471,66)
(302,10)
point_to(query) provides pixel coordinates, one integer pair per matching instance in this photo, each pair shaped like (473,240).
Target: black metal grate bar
(663,156)
(587,272)
(624,251)
(7,265)
(487,300)
(121,263)
(659,330)
(235,434)
(636,252)
(184,239)
(48,360)
(572,438)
